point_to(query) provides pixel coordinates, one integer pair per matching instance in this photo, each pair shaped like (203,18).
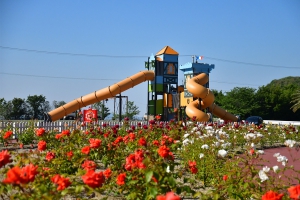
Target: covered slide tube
(195,86)
(97,96)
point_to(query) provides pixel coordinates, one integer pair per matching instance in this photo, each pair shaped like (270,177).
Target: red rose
(107,173)
(121,179)
(169,196)
(7,134)
(42,145)
(163,151)
(118,140)
(58,136)
(62,182)
(40,131)
(294,192)
(271,195)
(155,143)
(85,150)
(95,143)
(50,156)
(66,132)
(193,167)
(4,158)
(93,179)
(89,165)
(21,176)
(142,142)
(70,154)
(28,173)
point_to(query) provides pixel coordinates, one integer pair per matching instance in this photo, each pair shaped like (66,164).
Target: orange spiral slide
(94,97)
(195,86)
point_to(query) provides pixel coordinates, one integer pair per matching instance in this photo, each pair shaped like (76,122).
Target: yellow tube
(99,95)
(195,86)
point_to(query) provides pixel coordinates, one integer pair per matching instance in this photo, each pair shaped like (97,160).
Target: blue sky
(250,43)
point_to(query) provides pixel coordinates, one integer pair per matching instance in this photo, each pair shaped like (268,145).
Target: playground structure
(165,97)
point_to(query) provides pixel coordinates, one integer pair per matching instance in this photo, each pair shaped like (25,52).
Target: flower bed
(162,160)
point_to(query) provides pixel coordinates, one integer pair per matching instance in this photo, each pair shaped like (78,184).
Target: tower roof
(167,50)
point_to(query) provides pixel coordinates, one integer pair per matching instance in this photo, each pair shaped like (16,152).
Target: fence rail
(20,126)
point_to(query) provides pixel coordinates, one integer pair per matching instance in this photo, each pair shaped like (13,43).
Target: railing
(20,126)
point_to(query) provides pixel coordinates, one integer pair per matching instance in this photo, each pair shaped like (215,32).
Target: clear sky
(67,49)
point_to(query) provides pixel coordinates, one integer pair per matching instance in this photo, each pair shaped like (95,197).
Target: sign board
(90,115)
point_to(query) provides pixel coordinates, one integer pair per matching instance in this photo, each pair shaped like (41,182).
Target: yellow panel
(185,101)
(169,98)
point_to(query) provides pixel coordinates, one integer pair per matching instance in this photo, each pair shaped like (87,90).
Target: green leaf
(153,192)
(149,175)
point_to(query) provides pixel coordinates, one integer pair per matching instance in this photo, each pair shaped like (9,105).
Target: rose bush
(157,160)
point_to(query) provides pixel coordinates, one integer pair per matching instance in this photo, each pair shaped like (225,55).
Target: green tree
(219,95)
(131,111)
(4,109)
(296,101)
(103,111)
(19,108)
(37,106)
(240,100)
(57,104)
(275,102)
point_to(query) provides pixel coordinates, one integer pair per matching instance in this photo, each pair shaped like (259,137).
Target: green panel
(150,88)
(151,107)
(159,87)
(159,107)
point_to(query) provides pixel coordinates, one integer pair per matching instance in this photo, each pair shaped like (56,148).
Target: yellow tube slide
(195,86)
(94,97)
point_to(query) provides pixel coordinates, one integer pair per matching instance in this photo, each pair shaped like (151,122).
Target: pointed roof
(167,50)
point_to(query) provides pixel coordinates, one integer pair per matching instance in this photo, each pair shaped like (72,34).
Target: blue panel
(171,79)
(170,58)
(202,68)
(159,79)
(186,68)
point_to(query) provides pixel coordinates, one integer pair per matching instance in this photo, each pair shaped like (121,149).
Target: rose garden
(153,160)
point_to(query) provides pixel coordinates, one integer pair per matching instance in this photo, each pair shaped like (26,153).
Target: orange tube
(195,86)
(94,97)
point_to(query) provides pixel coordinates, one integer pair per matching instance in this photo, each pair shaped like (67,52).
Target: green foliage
(131,111)
(103,110)
(37,106)
(57,104)
(240,101)
(28,136)
(296,101)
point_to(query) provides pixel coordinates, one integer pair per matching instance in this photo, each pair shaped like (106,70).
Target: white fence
(20,126)
(278,122)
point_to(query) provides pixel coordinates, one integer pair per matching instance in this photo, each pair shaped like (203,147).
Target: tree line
(35,106)
(271,102)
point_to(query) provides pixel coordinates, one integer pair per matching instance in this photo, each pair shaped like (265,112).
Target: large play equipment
(165,96)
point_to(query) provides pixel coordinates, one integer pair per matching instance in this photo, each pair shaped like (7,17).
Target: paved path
(293,156)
